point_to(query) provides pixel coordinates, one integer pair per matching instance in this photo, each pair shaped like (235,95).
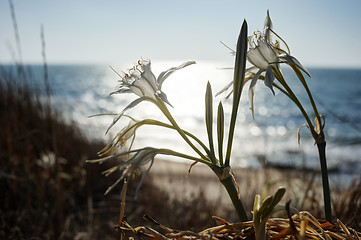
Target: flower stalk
(294,98)
(318,136)
(169,116)
(321,146)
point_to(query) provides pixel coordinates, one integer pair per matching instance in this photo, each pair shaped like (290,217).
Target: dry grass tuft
(299,226)
(43,179)
(347,205)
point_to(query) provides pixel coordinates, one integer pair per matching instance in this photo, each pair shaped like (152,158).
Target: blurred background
(54,69)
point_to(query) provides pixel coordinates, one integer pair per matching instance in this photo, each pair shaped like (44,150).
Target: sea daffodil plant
(265,55)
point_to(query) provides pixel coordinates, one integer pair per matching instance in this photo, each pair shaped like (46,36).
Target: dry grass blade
(156,235)
(150,219)
(303,227)
(185,235)
(344,228)
(220,220)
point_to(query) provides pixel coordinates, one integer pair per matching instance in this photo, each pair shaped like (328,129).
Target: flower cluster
(131,167)
(266,55)
(263,51)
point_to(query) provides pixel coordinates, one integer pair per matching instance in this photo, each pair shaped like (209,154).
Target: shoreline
(171,176)
(304,189)
(163,167)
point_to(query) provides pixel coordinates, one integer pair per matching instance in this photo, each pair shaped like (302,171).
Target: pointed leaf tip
(209,116)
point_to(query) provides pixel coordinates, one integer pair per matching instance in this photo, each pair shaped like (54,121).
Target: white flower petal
(140,158)
(131,105)
(248,72)
(255,78)
(270,77)
(255,57)
(121,89)
(267,26)
(164,75)
(251,90)
(148,75)
(290,59)
(127,132)
(225,88)
(163,96)
(267,52)
(262,55)
(142,87)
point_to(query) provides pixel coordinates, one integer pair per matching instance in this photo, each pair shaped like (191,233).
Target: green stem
(165,111)
(162,124)
(319,138)
(260,230)
(225,177)
(293,97)
(164,151)
(223,173)
(295,100)
(230,186)
(304,83)
(321,145)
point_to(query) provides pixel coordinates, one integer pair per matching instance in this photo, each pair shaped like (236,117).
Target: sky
(320,33)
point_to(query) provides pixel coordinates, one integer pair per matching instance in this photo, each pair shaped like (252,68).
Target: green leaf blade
(220,131)
(209,119)
(238,82)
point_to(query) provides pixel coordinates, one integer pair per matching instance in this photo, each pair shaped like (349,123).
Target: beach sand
(171,176)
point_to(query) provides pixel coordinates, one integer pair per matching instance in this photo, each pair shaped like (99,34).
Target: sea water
(80,91)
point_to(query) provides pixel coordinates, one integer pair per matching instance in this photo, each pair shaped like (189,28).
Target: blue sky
(319,33)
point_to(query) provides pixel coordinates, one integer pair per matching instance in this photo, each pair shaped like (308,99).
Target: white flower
(141,81)
(127,132)
(131,167)
(265,55)
(262,56)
